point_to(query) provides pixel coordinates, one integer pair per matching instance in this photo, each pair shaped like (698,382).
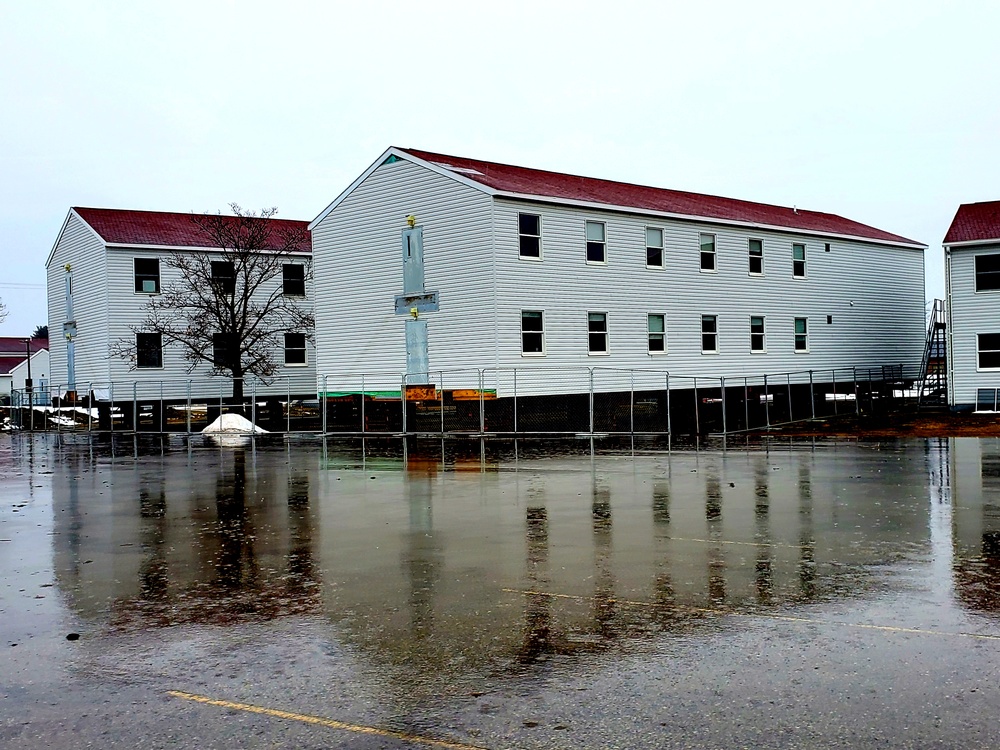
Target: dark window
(656,324)
(826,247)
(529,235)
(799,261)
(707,244)
(709,334)
(596,242)
(532,332)
(654,247)
(148,350)
(757,256)
(597,331)
(801,335)
(293,279)
(987,272)
(224,352)
(147,275)
(986,399)
(829,320)
(757,333)
(989,351)
(295,348)
(224,276)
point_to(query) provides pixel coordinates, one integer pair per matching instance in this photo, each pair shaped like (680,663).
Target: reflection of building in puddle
(156,545)
(975,484)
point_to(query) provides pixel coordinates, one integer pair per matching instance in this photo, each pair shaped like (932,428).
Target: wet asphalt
(302,594)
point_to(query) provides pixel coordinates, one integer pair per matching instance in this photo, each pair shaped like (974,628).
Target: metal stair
(933,388)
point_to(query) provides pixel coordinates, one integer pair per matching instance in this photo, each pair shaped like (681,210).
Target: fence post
(667,383)
(441,400)
(631,402)
(162,408)
(402,399)
(111,405)
(835,391)
(90,406)
(189,406)
(362,403)
(482,402)
(322,404)
(135,407)
(515,401)
(746,405)
(253,407)
(288,405)
(812,396)
(788,382)
(767,405)
(591,401)
(857,406)
(697,415)
(722,385)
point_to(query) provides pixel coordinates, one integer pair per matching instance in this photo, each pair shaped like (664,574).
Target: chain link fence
(486,401)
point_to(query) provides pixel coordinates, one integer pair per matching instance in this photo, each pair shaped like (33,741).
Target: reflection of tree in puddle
(230,585)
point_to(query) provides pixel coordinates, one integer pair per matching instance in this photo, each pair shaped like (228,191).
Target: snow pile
(233,423)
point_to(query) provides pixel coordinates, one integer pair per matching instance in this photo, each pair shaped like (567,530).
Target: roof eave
(705,219)
(972,243)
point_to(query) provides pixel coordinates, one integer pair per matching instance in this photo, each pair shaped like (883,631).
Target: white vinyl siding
(359,270)
(970,313)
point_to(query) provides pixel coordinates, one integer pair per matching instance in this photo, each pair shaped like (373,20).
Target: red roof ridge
(528,181)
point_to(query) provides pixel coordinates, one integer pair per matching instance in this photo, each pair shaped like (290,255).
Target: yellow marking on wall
(320,721)
(760,615)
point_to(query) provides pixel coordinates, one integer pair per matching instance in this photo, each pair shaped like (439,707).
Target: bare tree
(228,307)
(3,311)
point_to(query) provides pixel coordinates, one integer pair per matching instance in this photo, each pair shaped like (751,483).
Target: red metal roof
(975,221)
(14,345)
(537,182)
(123,227)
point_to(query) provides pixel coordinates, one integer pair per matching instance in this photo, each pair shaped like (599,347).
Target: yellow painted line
(320,721)
(761,615)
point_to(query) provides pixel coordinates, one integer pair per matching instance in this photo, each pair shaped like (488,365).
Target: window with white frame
(295,349)
(801,334)
(596,242)
(707,244)
(148,350)
(987,273)
(654,247)
(988,349)
(757,342)
(986,399)
(597,332)
(532,332)
(147,275)
(529,236)
(709,334)
(798,261)
(756,257)
(656,329)
(293,279)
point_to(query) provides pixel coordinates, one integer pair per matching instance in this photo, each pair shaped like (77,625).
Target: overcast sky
(884,112)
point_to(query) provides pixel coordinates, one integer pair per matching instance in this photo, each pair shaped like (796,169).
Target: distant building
(14,366)
(972,289)
(117,261)
(537,270)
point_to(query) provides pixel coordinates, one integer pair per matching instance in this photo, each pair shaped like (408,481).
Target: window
(801,335)
(224,276)
(709,334)
(147,275)
(654,247)
(293,279)
(656,326)
(295,348)
(756,257)
(529,235)
(596,245)
(707,243)
(986,399)
(798,261)
(148,350)
(597,331)
(224,353)
(989,351)
(757,343)
(987,273)
(532,332)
